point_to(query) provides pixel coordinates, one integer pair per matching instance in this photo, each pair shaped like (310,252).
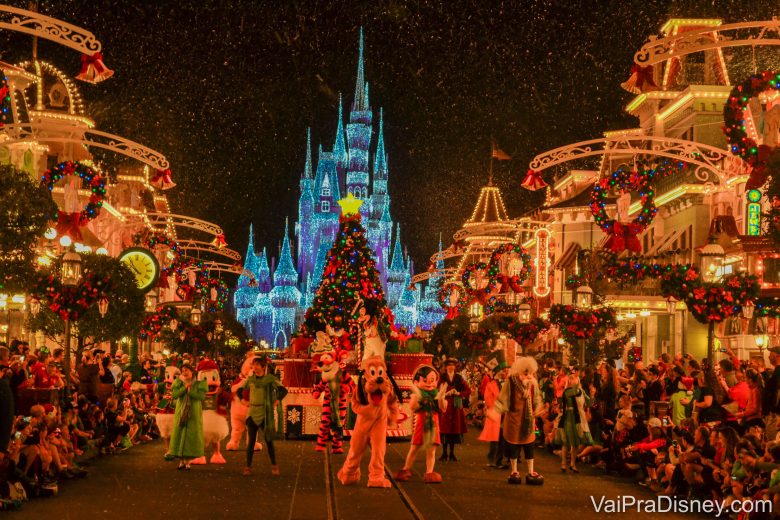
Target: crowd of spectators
(49,430)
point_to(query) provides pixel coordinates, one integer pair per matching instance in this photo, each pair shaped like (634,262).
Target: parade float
(348,321)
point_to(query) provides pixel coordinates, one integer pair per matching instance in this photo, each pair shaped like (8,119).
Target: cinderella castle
(272,305)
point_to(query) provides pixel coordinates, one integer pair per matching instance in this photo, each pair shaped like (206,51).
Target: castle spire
(340,147)
(285,273)
(307,171)
(360,104)
(380,159)
(397,263)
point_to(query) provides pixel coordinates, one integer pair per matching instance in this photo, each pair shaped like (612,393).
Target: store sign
(754,219)
(542,281)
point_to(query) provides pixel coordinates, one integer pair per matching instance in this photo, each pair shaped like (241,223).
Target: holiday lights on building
(272,307)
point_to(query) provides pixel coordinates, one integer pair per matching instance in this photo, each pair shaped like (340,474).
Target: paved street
(139,484)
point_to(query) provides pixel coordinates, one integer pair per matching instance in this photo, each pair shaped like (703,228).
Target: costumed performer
(521,402)
(571,425)
(187,436)
(165,409)
(492,431)
(334,386)
(265,396)
(453,420)
(427,402)
(215,411)
(376,405)
(240,406)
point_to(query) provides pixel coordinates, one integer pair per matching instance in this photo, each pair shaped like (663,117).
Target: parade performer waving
(427,402)
(187,437)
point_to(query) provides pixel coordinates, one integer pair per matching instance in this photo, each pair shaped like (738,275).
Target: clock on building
(144,266)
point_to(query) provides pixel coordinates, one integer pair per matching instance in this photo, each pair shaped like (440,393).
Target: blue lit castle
(271,306)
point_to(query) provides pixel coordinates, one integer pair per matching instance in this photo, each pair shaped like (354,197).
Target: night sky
(226,88)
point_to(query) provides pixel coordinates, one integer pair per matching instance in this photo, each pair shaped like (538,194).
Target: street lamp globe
(524,313)
(71,269)
(712,258)
(195,315)
(103,306)
(151,301)
(584,297)
(35,306)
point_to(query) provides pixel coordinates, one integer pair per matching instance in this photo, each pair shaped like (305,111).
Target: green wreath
(90,179)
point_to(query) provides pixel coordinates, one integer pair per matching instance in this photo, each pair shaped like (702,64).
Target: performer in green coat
(187,437)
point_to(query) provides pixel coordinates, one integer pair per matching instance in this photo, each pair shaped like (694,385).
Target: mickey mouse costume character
(520,401)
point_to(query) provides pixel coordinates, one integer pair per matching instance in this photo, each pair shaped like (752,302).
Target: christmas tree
(349,279)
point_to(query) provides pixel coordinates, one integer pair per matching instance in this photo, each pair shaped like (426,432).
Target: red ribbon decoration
(69,224)
(162,180)
(533,181)
(624,237)
(366,289)
(452,313)
(759,173)
(93,70)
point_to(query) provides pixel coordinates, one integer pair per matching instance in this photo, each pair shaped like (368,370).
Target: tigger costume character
(239,407)
(163,413)
(335,385)
(376,405)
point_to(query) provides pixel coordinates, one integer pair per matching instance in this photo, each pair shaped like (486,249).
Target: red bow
(533,181)
(366,289)
(641,80)
(759,172)
(624,237)
(93,70)
(452,313)
(219,241)
(330,269)
(69,224)
(162,180)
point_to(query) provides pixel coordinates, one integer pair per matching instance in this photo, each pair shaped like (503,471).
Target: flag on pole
(500,154)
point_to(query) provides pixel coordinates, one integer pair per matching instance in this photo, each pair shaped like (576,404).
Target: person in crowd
(491,431)
(572,422)
(6,400)
(88,376)
(706,407)
(453,420)
(187,437)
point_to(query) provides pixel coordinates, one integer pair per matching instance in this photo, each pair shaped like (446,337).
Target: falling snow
(225,89)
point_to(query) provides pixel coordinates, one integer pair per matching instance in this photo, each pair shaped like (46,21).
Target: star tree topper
(350,205)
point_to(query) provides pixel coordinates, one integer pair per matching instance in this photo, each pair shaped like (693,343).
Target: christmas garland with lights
(444,294)
(758,157)
(575,323)
(96,184)
(70,302)
(180,269)
(204,285)
(481,295)
(5,100)
(152,240)
(576,280)
(624,236)
(508,282)
(154,323)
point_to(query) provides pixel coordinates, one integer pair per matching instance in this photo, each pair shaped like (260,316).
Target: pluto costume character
(376,405)
(163,414)
(239,407)
(215,425)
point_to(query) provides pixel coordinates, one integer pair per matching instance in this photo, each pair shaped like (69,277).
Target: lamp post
(711,260)
(671,310)
(524,313)
(70,277)
(584,301)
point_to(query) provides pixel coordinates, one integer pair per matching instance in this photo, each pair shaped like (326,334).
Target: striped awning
(568,257)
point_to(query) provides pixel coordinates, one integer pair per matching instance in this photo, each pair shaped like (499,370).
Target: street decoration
(576,323)
(476,293)
(69,303)
(761,158)
(447,293)
(624,236)
(69,222)
(156,322)
(508,283)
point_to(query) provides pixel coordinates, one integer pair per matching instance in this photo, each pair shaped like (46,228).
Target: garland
(156,238)
(758,157)
(526,333)
(444,294)
(481,295)
(508,282)
(624,236)
(204,284)
(5,100)
(154,323)
(70,302)
(69,223)
(707,302)
(575,323)
(573,281)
